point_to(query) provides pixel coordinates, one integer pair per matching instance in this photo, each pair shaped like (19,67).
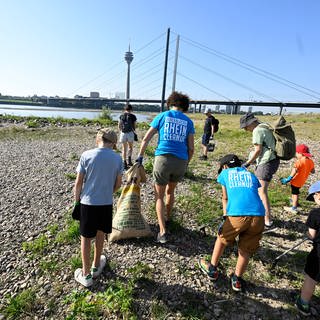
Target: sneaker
(130,164)
(125,165)
(162,238)
(291,209)
(86,281)
(203,158)
(96,271)
(304,308)
(208,269)
(236,283)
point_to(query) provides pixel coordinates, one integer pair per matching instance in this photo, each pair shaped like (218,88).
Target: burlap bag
(128,222)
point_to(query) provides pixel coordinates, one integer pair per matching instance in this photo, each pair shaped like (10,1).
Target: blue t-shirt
(242,190)
(174,128)
(100,167)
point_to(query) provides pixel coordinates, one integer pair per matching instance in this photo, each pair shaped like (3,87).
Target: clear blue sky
(68,47)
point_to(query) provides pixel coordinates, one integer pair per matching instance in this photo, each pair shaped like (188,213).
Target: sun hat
(107,134)
(207,110)
(231,160)
(247,119)
(303,149)
(315,187)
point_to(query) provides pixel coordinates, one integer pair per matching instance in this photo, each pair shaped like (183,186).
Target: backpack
(285,139)
(215,122)
(126,123)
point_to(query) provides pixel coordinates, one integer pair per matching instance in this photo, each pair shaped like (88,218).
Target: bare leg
(160,207)
(217,252)
(170,198)
(294,198)
(242,262)
(124,151)
(263,193)
(85,255)
(98,246)
(130,144)
(204,150)
(307,289)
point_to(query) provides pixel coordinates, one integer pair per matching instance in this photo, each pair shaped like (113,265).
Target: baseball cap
(303,149)
(312,190)
(107,134)
(231,160)
(247,119)
(208,110)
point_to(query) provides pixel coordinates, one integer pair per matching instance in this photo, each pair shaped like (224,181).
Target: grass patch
(21,304)
(49,265)
(70,233)
(37,246)
(71,176)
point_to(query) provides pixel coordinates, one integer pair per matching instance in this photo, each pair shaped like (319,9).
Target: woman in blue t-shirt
(244,217)
(173,153)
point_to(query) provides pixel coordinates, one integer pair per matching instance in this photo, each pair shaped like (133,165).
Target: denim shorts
(126,137)
(168,168)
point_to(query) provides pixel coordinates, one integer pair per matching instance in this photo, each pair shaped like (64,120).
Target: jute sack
(128,222)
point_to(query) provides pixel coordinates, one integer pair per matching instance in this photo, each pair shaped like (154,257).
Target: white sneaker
(86,281)
(96,271)
(290,209)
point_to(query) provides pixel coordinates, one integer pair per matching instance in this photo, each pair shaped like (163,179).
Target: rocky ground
(36,197)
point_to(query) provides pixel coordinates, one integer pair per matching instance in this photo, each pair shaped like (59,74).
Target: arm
(145,141)
(78,186)
(117,183)
(312,233)
(119,126)
(256,153)
(190,146)
(224,200)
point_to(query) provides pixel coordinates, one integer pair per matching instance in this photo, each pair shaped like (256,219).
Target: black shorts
(205,138)
(295,190)
(94,218)
(312,268)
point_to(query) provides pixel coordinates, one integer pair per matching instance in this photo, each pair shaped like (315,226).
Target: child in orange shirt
(303,166)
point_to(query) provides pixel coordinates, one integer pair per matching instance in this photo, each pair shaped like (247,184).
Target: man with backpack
(127,126)
(264,155)
(211,126)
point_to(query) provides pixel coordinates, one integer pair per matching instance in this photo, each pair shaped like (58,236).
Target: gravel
(36,194)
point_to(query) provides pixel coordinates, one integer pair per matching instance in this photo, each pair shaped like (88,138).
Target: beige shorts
(248,228)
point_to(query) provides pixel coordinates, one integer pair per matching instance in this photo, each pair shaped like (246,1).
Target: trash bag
(128,222)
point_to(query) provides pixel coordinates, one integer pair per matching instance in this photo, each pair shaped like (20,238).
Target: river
(42,111)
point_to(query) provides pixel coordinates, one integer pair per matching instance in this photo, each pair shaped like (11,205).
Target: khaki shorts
(168,168)
(248,228)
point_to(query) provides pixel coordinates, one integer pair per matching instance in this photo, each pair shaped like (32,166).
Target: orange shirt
(304,166)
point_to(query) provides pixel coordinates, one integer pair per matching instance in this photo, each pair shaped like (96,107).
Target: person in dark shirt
(208,133)
(127,127)
(312,267)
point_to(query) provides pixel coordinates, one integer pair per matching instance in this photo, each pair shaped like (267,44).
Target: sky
(228,50)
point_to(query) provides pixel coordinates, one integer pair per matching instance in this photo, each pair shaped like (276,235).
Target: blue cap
(312,190)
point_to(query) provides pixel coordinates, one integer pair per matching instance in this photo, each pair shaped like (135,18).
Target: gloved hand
(139,160)
(286,180)
(245,165)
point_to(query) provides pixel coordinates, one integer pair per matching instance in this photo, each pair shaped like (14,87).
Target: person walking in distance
(264,156)
(127,127)
(99,175)
(208,132)
(173,153)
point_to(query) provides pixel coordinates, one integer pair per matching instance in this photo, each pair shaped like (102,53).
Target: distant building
(94,94)
(217,108)
(119,95)
(250,109)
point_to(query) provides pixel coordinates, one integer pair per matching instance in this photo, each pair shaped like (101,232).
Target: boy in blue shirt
(244,217)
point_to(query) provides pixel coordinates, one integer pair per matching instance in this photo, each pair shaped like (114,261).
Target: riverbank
(40,247)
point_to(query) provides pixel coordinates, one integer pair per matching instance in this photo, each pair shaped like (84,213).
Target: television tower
(128,57)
